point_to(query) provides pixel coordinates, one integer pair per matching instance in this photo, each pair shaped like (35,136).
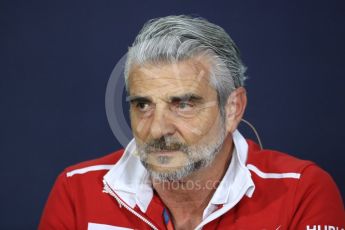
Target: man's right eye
(143,106)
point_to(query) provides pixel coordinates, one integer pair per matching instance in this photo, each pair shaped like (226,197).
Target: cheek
(195,129)
(140,127)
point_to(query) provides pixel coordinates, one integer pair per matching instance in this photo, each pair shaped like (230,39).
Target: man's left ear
(235,108)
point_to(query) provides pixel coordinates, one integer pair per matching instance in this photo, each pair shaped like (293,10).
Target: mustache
(165,144)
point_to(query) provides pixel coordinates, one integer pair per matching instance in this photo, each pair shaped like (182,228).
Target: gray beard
(207,154)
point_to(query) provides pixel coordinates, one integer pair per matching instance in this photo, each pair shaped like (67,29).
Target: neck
(186,199)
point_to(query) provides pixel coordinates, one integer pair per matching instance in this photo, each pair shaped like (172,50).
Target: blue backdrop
(56,58)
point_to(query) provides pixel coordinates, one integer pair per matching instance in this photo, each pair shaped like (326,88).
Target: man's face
(175,117)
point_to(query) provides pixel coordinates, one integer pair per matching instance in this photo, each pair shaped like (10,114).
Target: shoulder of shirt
(104,163)
(275,163)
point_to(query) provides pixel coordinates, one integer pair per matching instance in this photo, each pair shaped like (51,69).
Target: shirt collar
(130,180)
(237,179)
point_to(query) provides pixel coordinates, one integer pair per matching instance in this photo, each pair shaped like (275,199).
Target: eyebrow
(132,99)
(186,97)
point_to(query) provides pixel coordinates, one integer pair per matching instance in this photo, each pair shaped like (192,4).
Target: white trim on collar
(130,180)
(236,173)
(236,182)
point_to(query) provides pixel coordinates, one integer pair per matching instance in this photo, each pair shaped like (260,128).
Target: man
(188,167)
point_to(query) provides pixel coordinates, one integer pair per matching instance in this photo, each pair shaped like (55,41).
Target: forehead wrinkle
(184,91)
(181,84)
(196,65)
(142,89)
(197,75)
(176,91)
(201,76)
(151,96)
(149,81)
(146,71)
(168,78)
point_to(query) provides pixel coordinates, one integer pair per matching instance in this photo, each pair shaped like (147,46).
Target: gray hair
(176,38)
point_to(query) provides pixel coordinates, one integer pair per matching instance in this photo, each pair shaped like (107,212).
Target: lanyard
(167,220)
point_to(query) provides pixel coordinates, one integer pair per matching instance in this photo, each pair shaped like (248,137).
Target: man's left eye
(185,105)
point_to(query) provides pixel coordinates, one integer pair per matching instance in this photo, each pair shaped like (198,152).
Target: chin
(163,173)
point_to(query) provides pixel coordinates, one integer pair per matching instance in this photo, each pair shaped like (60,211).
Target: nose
(162,123)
